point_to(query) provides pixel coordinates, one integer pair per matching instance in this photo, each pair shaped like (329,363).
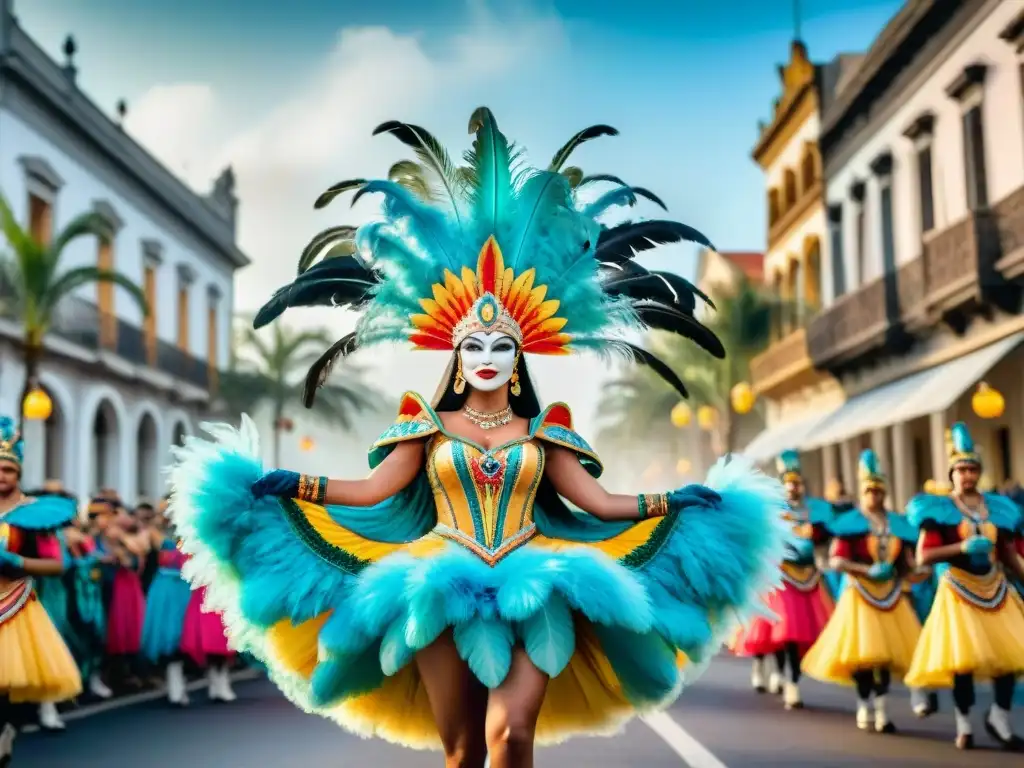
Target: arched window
(789,180)
(773,207)
(812,274)
(808,168)
(794,296)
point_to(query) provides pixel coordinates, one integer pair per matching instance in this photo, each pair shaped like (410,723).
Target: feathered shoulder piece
(942,510)
(492,245)
(42,513)
(854,523)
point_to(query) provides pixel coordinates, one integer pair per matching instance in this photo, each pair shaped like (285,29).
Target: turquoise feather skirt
(620,626)
(166,604)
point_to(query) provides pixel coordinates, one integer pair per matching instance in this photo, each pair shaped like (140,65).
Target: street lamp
(742,398)
(683,466)
(988,403)
(706,417)
(681,415)
(306,444)
(37,405)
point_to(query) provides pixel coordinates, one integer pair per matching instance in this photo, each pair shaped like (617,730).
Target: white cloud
(322,134)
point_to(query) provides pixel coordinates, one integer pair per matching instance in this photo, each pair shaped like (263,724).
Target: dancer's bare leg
(512,712)
(458,702)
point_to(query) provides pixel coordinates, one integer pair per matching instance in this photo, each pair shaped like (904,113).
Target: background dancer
(870,639)
(975,630)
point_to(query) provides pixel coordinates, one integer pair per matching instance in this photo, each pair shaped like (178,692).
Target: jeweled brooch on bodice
(488,471)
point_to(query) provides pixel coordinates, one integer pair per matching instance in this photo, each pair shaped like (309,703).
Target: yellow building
(796,394)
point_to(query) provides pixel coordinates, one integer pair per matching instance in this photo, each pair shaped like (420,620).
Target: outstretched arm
(16,565)
(391,476)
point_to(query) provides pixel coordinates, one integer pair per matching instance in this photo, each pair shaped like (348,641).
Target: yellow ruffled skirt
(976,626)
(861,635)
(35,664)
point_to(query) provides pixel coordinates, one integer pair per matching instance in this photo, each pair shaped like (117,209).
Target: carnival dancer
(35,664)
(975,630)
(870,638)
(166,606)
(453,599)
(802,605)
(204,640)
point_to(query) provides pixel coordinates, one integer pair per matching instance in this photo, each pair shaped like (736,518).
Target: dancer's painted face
(488,360)
(966,476)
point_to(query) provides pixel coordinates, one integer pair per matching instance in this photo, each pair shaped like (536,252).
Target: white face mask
(488,360)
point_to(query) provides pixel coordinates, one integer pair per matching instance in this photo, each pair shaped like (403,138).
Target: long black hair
(526,404)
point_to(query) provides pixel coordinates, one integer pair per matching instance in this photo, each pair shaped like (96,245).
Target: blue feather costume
(337,600)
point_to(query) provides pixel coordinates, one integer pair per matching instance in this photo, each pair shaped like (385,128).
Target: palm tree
(638,404)
(267,371)
(36,284)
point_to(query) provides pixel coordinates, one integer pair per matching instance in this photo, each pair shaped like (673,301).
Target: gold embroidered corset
(484,498)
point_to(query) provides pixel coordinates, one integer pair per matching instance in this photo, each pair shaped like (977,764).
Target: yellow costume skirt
(35,664)
(976,626)
(872,627)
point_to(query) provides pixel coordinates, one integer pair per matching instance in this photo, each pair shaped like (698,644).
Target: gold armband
(312,488)
(652,505)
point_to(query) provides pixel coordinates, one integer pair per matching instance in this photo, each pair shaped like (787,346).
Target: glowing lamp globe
(988,403)
(306,444)
(681,415)
(742,398)
(706,417)
(683,466)
(37,405)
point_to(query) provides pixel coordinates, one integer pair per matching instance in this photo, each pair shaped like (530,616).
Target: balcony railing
(81,322)
(1009,224)
(782,366)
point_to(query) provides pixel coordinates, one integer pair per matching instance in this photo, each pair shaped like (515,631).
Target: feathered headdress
(492,246)
(788,466)
(960,447)
(12,448)
(870,473)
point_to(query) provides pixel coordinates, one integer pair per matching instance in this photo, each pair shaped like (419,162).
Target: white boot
(7,735)
(98,688)
(227,693)
(964,732)
(213,690)
(757,676)
(997,723)
(176,693)
(882,722)
(49,718)
(863,715)
(775,683)
(791,696)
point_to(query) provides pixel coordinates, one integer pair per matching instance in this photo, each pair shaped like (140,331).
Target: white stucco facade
(1003,116)
(119,401)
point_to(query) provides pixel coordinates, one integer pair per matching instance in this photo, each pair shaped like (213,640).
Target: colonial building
(124,387)
(795,393)
(719,271)
(923,150)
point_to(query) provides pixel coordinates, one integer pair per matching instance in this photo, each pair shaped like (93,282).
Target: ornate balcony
(784,367)
(1009,223)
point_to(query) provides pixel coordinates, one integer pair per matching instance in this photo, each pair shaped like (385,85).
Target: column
(34,470)
(900,483)
(937,442)
(848,466)
(829,469)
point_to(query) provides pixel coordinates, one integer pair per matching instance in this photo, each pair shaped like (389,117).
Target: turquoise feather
(395,652)
(548,636)
(492,163)
(486,646)
(342,676)
(42,513)
(610,199)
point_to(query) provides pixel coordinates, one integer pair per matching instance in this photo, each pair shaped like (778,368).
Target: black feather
(624,241)
(321,240)
(336,189)
(338,282)
(652,287)
(659,367)
(428,149)
(666,318)
(602,177)
(321,369)
(586,134)
(646,193)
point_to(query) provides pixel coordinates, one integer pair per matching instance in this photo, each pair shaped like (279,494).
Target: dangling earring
(515,389)
(460,382)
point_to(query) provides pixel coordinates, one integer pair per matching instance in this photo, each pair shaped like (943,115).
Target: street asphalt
(719,723)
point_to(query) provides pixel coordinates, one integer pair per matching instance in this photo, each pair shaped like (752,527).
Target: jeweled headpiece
(869,472)
(11,445)
(494,246)
(960,447)
(788,466)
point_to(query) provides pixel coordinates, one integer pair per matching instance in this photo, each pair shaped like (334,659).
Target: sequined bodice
(484,497)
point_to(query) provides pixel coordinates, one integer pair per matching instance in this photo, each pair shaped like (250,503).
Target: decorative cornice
(1013,33)
(971,76)
(105,211)
(186,274)
(923,126)
(40,171)
(881,166)
(152,252)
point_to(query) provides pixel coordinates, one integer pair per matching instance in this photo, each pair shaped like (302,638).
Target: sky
(288,94)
